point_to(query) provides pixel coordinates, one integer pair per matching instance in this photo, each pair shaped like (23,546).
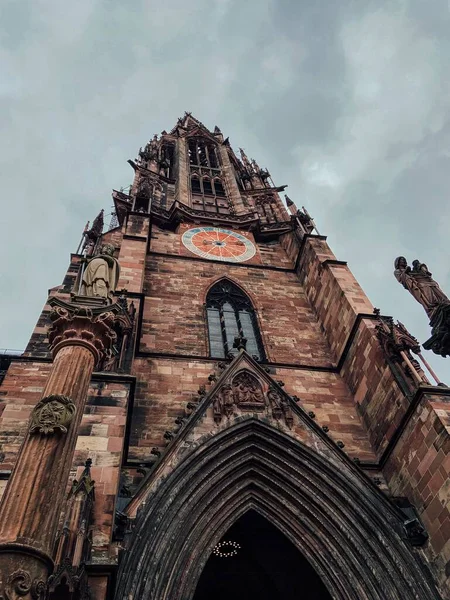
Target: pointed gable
(240,390)
(190,126)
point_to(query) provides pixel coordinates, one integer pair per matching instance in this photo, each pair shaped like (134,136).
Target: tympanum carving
(247,390)
(246,393)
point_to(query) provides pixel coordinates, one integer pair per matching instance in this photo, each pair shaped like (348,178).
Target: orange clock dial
(218,244)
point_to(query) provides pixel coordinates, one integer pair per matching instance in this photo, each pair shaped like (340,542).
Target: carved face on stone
(107,249)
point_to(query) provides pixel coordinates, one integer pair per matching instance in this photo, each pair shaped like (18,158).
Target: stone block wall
(132,253)
(320,341)
(334,293)
(419,468)
(101,435)
(174,316)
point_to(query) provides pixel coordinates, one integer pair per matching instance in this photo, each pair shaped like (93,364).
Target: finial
(288,200)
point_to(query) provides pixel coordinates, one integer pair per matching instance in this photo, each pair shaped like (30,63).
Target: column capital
(93,327)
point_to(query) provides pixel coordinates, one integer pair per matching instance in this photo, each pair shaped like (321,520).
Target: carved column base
(23,572)
(439,341)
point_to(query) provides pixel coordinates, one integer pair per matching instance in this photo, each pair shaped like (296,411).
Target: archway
(255,560)
(344,526)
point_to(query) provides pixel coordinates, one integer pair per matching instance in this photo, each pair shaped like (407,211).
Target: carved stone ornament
(93,327)
(246,393)
(19,584)
(52,413)
(247,390)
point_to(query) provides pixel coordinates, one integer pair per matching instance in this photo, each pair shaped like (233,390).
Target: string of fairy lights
(226,549)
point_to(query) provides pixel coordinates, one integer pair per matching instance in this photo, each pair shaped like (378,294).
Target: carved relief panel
(247,393)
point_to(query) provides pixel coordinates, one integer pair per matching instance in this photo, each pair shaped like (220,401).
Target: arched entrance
(255,560)
(348,531)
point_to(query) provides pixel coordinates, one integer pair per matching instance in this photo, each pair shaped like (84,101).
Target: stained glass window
(231,314)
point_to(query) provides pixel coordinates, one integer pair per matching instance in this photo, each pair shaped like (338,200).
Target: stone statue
(101,275)
(419,282)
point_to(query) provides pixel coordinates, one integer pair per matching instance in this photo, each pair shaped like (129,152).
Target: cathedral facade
(210,407)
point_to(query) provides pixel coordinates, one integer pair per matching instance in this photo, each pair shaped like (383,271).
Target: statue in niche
(280,406)
(420,283)
(247,390)
(101,275)
(223,402)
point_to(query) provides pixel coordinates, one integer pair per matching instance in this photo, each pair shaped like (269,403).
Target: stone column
(35,494)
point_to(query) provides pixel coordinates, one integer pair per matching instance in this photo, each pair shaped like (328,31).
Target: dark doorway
(255,560)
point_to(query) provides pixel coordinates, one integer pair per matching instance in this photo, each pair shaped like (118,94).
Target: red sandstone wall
(101,435)
(333,292)
(305,319)
(174,320)
(419,468)
(165,386)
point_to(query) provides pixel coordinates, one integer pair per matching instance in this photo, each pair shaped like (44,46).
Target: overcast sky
(345,101)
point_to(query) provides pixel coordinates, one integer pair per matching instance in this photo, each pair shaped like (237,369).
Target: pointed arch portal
(348,532)
(255,560)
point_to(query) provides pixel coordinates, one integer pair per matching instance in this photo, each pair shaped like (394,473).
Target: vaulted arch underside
(347,530)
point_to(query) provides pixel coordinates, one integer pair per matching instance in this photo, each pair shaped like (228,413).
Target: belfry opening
(255,560)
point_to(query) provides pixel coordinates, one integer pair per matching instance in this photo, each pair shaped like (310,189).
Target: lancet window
(207,185)
(167,160)
(230,314)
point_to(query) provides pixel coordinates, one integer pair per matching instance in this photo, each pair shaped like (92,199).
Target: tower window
(231,314)
(218,188)
(207,187)
(201,153)
(195,186)
(208,191)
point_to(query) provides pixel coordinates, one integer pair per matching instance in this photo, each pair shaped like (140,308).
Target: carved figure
(305,220)
(223,403)
(275,401)
(226,394)
(101,275)
(247,390)
(420,283)
(280,406)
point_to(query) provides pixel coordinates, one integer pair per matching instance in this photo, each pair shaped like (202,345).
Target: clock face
(218,244)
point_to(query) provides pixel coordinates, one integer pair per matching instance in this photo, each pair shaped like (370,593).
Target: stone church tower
(210,407)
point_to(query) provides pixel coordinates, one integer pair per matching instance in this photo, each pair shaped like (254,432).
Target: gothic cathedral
(209,408)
